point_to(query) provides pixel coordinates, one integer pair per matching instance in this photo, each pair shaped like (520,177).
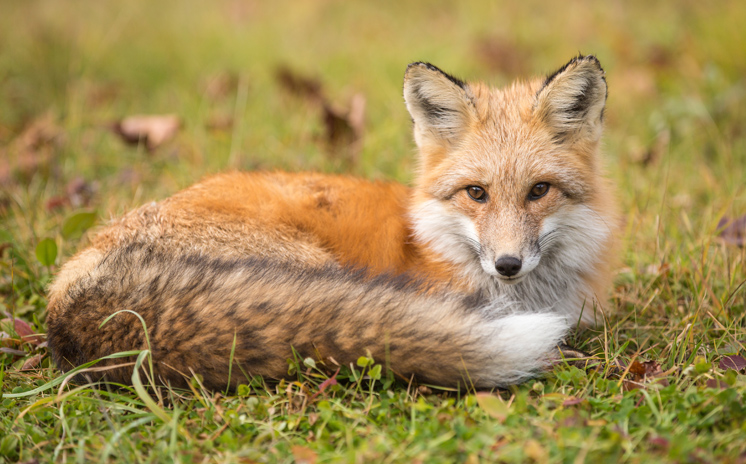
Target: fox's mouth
(512,280)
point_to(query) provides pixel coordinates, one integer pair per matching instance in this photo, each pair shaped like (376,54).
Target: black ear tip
(589,59)
(425,66)
(422,66)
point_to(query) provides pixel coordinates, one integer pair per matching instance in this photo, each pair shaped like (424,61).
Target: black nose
(508,266)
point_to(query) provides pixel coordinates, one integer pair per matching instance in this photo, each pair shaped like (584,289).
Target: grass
(675,147)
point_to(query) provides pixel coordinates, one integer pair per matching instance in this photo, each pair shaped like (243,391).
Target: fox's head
(509,178)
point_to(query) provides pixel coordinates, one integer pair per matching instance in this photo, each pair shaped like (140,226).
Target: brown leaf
(298,85)
(303,455)
(35,147)
(717,383)
(24,330)
(637,369)
(79,192)
(344,128)
(735,362)
(659,442)
(733,232)
(326,384)
(57,202)
(642,373)
(423,390)
(153,130)
(32,362)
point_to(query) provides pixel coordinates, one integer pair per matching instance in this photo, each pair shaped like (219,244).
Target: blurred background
(316,85)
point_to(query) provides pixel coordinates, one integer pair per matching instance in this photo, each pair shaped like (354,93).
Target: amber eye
(538,191)
(476,193)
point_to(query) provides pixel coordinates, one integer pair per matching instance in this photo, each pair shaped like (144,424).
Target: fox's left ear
(572,100)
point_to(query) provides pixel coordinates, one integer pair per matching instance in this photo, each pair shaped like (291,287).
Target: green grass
(675,146)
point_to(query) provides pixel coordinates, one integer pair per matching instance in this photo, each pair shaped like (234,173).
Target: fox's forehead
(509,105)
(510,148)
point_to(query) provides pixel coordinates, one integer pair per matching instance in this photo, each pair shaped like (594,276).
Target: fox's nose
(508,265)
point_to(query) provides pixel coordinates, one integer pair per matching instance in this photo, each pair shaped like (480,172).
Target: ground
(670,386)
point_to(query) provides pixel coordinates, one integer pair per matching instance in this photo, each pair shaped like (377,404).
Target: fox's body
(472,276)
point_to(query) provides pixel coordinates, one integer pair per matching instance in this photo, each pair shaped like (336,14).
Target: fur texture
(337,267)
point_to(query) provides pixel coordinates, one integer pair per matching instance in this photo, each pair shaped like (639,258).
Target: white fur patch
(451,235)
(522,345)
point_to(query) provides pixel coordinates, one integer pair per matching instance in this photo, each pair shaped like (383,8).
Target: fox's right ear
(441,106)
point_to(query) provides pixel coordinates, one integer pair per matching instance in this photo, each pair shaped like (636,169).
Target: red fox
(471,277)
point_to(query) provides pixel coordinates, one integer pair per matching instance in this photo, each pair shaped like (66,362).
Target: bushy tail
(200,312)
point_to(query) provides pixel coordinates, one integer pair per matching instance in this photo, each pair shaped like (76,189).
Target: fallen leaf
(659,442)
(735,362)
(298,85)
(423,390)
(733,232)
(79,192)
(326,384)
(343,127)
(57,202)
(152,130)
(24,330)
(303,455)
(717,384)
(493,406)
(35,147)
(32,362)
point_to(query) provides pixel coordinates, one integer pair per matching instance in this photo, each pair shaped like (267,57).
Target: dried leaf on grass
(717,383)
(303,455)
(33,149)
(298,85)
(78,194)
(32,362)
(152,130)
(343,126)
(24,330)
(642,373)
(733,232)
(735,362)
(493,406)
(326,384)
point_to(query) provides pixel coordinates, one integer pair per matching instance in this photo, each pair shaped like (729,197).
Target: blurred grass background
(675,140)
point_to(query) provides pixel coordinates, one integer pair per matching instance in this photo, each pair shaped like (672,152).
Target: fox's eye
(538,191)
(477,193)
